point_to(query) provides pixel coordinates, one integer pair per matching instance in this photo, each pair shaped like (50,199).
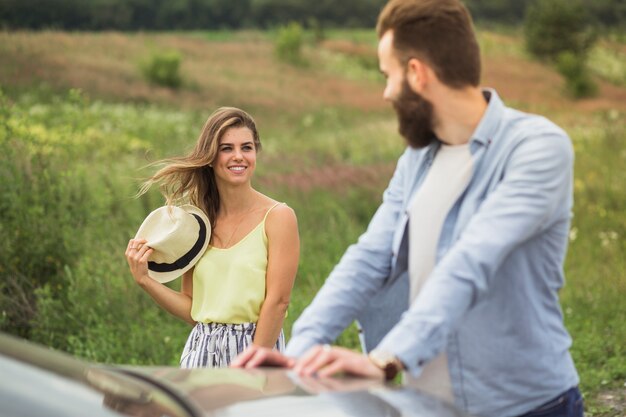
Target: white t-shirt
(446,180)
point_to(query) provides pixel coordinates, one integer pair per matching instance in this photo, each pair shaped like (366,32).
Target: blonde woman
(237,294)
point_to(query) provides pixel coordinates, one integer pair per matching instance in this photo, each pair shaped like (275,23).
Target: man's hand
(261,356)
(325,361)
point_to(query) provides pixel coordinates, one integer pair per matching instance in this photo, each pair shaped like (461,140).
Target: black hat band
(184,260)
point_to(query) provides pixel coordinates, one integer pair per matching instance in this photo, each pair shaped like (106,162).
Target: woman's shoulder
(279,217)
(280,211)
(275,209)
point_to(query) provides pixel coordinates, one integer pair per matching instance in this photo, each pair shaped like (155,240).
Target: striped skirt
(215,345)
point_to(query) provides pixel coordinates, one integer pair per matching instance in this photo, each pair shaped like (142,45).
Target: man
(483,195)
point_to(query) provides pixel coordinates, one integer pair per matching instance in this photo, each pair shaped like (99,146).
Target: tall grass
(67,211)
(593,299)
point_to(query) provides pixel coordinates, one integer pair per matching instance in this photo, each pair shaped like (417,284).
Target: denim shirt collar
(487,127)
(486,130)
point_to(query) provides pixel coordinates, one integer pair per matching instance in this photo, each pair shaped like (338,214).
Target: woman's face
(236,157)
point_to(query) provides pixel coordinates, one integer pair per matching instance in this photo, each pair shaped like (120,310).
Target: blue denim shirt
(491,301)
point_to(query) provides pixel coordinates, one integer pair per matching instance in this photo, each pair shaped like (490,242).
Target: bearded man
(456,279)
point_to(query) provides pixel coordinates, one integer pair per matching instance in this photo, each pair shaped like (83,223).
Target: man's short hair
(438,32)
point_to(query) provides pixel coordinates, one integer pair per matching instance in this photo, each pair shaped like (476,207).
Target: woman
(237,294)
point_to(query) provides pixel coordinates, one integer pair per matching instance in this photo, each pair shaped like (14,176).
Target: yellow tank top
(229,284)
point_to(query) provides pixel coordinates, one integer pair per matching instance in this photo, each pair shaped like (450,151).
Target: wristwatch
(387,362)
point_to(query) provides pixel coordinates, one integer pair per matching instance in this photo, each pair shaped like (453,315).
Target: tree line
(237,14)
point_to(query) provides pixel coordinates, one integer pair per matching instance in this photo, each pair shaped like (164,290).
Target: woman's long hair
(190,178)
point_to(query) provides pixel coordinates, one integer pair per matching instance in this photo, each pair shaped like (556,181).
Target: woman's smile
(237,169)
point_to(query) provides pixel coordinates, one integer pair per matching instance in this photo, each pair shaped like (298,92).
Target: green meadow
(79,127)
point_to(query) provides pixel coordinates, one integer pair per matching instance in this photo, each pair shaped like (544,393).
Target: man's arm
(360,273)
(536,185)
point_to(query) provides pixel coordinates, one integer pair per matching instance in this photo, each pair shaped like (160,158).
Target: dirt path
(337,178)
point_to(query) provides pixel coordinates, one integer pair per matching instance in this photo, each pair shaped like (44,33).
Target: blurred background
(91,91)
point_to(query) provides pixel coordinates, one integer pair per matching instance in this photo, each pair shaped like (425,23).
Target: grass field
(78,122)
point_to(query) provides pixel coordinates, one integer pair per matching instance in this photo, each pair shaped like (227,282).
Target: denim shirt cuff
(414,353)
(408,357)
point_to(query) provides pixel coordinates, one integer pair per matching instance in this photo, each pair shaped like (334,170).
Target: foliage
(560,32)
(102,316)
(41,222)
(552,27)
(123,14)
(593,300)
(578,82)
(183,14)
(502,11)
(163,69)
(608,61)
(289,42)
(61,198)
(228,14)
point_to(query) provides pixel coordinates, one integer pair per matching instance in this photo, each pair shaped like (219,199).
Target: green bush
(163,69)
(41,222)
(288,44)
(103,316)
(578,82)
(555,26)
(561,32)
(66,195)
(66,213)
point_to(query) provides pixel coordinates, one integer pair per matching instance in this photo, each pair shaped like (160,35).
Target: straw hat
(179,236)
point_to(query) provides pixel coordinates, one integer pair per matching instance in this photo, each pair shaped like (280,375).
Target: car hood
(42,378)
(278,392)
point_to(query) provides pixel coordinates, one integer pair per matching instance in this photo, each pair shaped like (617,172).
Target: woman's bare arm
(174,302)
(283,254)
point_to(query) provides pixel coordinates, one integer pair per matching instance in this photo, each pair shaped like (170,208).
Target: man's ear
(417,75)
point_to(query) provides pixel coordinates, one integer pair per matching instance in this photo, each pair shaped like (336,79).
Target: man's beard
(415,117)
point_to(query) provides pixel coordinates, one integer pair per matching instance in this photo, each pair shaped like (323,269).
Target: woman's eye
(247,148)
(226,148)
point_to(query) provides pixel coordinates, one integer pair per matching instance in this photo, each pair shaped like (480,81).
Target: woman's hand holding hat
(177,237)
(137,254)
